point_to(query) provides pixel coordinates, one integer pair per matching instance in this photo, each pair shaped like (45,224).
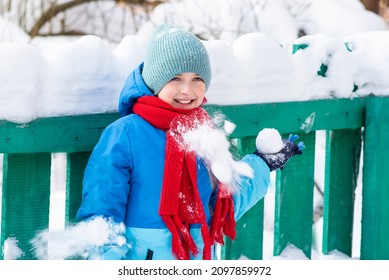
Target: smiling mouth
(184,102)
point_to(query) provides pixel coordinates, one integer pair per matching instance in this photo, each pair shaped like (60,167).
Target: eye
(198,79)
(176,79)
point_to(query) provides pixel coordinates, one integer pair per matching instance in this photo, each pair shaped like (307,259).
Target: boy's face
(185,91)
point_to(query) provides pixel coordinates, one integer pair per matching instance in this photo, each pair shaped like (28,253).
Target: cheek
(166,95)
(200,100)
(200,92)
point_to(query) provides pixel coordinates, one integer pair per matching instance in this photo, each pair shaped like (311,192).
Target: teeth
(184,101)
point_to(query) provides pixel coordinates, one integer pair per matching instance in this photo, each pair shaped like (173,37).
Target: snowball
(269,141)
(212,145)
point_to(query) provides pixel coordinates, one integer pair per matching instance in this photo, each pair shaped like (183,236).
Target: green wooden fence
(351,125)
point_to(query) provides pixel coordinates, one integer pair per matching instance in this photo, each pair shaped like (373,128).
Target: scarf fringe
(182,241)
(207,242)
(223,221)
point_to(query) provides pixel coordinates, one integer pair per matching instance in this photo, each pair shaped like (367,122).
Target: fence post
(342,165)
(75,166)
(294,200)
(26,198)
(249,228)
(375,204)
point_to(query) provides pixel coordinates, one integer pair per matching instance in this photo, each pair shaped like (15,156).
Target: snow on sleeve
(79,240)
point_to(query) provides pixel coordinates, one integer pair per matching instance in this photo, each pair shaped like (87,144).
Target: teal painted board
(343,150)
(375,192)
(81,132)
(294,200)
(75,167)
(249,228)
(67,134)
(26,198)
(248,243)
(299,116)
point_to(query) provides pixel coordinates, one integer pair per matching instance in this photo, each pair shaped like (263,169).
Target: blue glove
(278,160)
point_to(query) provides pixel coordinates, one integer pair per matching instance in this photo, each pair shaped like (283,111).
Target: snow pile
(11,250)
(261,71)
(20,80)
(78,74)
(323,67)
(86,75)
(369,53)
(251,63)
(78,77)
(291,252)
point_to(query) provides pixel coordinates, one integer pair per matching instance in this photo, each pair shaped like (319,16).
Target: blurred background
(111,20)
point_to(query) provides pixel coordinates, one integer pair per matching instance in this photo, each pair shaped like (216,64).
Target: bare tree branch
(64,33)
(55,10)
(372,5)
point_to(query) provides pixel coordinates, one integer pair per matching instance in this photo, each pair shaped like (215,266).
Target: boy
(142,173)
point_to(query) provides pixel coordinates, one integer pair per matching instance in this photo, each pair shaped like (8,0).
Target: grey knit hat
(173,50)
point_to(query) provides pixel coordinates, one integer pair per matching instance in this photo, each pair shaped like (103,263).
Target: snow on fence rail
(353,126)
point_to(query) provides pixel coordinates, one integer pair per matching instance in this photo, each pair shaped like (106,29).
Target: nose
(186,88)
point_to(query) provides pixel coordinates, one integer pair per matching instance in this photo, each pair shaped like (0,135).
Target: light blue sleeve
(108,252)
(253,189)
(107,176)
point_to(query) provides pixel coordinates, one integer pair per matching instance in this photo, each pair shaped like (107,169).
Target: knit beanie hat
(173,50)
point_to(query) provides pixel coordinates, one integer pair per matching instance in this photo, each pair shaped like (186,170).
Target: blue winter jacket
(123,181)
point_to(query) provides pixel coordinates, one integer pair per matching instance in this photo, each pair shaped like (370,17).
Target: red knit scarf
(180,204)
